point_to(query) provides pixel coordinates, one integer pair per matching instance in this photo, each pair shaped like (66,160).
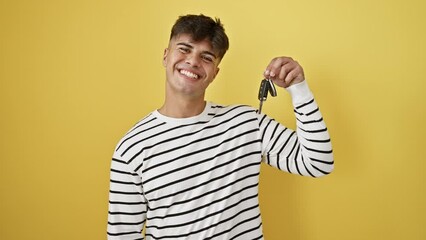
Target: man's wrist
(300,93)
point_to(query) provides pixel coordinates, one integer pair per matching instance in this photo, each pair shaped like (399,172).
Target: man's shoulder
(149,121)
(143,122)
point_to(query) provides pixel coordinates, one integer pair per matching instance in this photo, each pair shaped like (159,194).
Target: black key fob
(266,86)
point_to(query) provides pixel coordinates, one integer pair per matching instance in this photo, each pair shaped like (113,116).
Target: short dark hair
(201,27)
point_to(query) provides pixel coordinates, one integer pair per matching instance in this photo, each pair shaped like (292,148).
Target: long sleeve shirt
(198,177)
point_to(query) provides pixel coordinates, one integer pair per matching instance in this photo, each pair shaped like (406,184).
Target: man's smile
(189,74)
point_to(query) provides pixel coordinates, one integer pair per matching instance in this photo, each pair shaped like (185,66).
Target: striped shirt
(197,178)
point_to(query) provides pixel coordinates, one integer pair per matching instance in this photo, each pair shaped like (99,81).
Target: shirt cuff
(300,93)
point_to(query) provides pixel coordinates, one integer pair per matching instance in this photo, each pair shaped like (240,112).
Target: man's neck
(181,108)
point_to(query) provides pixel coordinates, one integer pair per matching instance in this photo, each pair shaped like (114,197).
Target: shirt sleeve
(307,151)
(127,204)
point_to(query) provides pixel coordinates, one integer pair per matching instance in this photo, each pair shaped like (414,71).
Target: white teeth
(189,74)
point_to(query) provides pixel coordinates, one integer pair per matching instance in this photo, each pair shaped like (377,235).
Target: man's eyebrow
(190,46)
(185,44)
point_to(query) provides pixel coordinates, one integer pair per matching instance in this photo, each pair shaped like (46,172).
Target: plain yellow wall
(75,75)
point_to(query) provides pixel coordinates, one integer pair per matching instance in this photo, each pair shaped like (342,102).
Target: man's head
(196,47)
(201,27)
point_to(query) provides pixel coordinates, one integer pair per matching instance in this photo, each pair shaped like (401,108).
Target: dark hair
(201,27)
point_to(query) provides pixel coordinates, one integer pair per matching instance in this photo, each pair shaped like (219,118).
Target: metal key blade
(260,107)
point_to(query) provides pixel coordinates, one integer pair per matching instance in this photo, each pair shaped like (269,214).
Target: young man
(190,170)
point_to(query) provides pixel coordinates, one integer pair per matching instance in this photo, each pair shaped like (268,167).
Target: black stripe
(273,132)
(125,193)
(289,154)
(126,223)
(126,213)
(319,151)
(283,147)
(306,114)
(295,159)
(268,160)
(123,233)
(318,141)
(127,203)
(298,113)
(217,106)
(312,112)
(310,121)
(314,131)
(149,118)
(265,129)
(278,162)
(140,132)
(278,138)
(119,160)
(247,231)
(305,104)
(320,170)
(123,172)
(321,161)
(261,121)
(126,183)
(234,108)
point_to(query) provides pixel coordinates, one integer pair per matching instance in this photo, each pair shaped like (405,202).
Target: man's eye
(208,59)
(184,50)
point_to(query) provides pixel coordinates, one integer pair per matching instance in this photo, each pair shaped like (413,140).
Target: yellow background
(75,75)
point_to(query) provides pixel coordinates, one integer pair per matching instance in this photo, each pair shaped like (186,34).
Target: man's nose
(193,60)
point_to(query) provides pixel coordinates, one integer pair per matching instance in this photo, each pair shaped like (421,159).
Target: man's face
(190,66)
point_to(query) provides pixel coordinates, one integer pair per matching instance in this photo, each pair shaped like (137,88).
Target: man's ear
(217,71)
(166,52)
(215,74)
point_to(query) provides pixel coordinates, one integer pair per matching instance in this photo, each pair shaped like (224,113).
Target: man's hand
(284,72)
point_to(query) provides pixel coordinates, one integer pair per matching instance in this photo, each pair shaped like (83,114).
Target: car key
(265,86)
